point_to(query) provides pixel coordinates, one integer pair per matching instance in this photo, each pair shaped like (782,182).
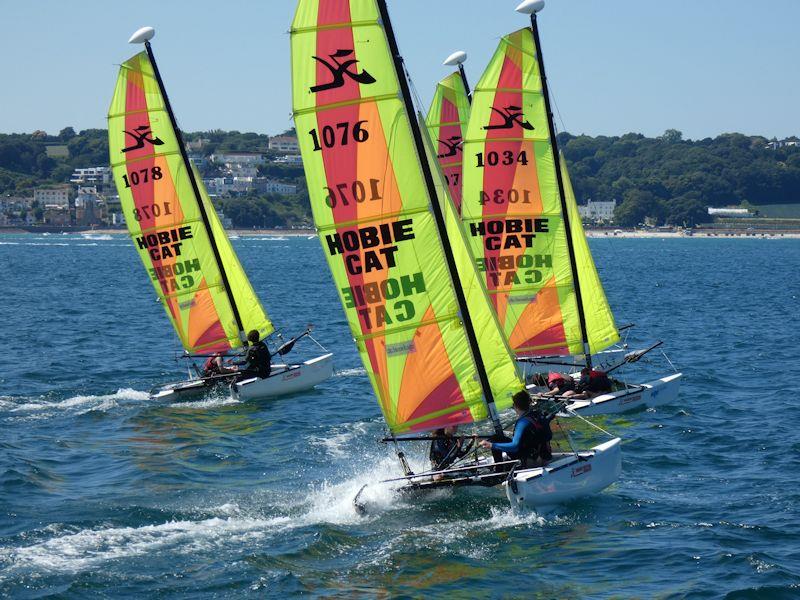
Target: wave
(88,402)
(90,547)
(354,372)
(99,237)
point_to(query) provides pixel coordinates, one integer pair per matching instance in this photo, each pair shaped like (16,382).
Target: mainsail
(446,122)
(173,224)
(515,214)
(381,225)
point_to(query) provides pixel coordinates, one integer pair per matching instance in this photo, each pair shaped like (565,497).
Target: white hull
(566,478)
(286,379)
(646,395)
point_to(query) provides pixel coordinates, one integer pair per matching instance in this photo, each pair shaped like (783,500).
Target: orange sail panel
(513,215)
(446,123)
(373,212)
(164,219)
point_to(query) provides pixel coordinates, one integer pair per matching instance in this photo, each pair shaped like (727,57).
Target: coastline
(591,233)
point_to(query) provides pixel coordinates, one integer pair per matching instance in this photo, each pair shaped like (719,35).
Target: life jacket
(210,366)
(536,438)
(598,382)
(559,381)
(442,449)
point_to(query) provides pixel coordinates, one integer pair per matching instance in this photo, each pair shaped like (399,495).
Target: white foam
(337,445)
(355,372)
(102,402)
(208,402)
(90,547)
(102,236)
(332,502)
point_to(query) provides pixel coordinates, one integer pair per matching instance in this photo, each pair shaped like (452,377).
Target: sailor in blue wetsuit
(532,435)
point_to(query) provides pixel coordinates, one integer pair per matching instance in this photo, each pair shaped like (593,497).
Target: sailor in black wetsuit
(446,448)
(256,359)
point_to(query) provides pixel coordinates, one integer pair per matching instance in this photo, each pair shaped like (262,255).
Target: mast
(438,215)
(195,188)
(463,74)
(459,58)
(532,7)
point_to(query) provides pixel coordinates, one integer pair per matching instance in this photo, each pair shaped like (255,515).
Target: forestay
(185,252)
(378,230)
(513,215)
(446,122)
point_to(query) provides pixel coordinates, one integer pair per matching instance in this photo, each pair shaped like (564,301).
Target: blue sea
(104,493)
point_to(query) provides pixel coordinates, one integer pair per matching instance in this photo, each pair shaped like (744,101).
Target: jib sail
(385,242)
(514,216)
(173,224)
(446,122)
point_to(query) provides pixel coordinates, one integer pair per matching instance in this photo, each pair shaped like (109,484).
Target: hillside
(667,179)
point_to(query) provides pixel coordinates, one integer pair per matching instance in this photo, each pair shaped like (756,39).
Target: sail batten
(373,208)
(521,233)
(171,221)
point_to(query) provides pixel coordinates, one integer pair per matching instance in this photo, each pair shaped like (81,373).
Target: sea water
(105,493)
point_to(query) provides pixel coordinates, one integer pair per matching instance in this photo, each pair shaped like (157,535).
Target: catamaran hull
(295,378)
(647,395)
(566,479)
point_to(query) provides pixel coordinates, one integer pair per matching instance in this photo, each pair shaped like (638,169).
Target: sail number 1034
(501,158)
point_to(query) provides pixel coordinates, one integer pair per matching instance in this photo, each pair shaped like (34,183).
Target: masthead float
(185,250)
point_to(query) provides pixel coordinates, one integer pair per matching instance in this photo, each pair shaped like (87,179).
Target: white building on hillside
(730,212)
(92,176)
(284,143)
(597,211)
(57,196)
(252,159)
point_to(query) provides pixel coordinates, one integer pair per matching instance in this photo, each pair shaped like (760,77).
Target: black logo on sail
(512,115)
(339,69)
(453,146)
(142,134)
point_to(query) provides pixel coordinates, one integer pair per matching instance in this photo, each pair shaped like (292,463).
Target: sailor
(256,359)
(214,366)
(559,384)
(446,448)
(532,434)
(593,382)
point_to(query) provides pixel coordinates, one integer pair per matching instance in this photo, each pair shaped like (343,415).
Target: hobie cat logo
(453,146)
(512,115)
(142,134)
(339,69)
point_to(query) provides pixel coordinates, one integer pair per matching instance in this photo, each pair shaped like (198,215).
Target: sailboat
(446,122)
(417,310)
(184,248)
(523,226)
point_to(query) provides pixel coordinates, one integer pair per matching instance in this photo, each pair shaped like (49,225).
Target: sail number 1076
(340,135)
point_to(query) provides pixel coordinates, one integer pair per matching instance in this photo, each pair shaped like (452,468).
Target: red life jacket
(210,366)
(555,380)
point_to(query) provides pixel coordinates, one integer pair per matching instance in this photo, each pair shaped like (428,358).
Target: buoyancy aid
(598,382)
(536,438)
(210,367)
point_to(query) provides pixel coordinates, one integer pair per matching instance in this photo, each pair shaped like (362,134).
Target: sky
(704,67)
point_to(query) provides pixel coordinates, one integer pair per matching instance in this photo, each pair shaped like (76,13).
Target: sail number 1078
(142,176)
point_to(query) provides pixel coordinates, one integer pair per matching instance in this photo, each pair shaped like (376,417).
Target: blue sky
(702,66)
